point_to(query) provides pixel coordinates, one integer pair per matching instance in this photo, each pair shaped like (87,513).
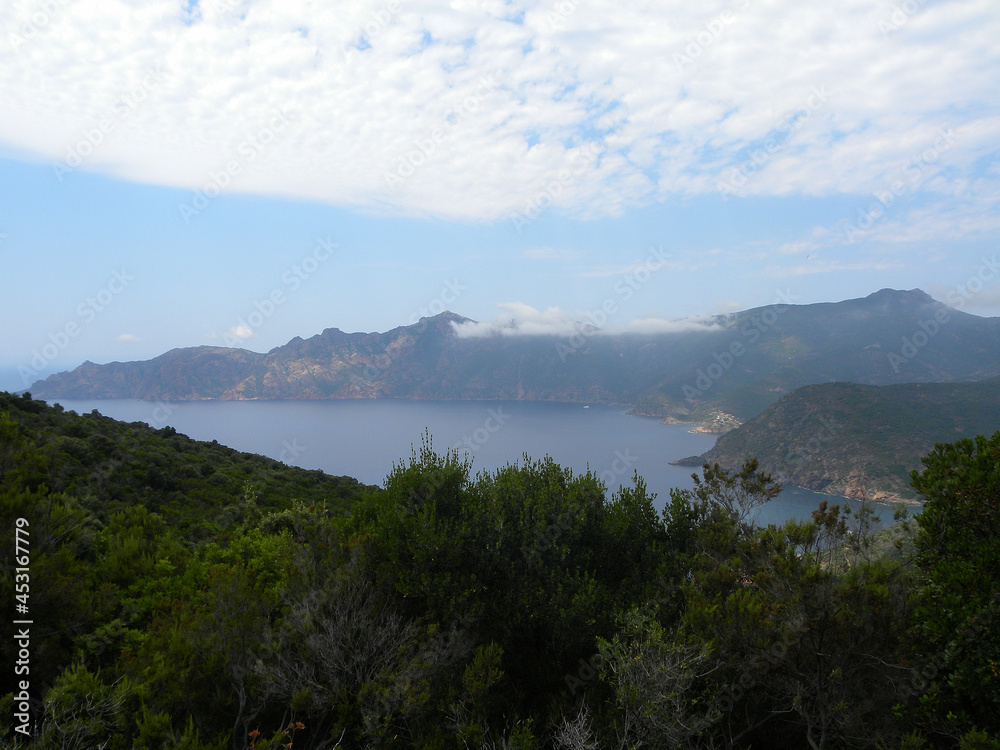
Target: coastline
(718,423)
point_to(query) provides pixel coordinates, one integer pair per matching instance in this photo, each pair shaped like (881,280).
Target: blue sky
(243,171)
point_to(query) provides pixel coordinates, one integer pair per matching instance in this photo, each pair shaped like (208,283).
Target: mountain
(885,338)
(189,374)
(859,440)
(107,467)
(738,364)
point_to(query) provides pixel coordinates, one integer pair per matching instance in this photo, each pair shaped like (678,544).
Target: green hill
(859,440)
(176,594)
(106,465)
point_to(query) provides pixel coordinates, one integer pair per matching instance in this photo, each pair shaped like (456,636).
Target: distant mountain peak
(443,321)
(887,337)
(448,316)
(918,296)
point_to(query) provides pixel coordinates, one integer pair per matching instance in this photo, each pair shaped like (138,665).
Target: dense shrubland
(189,596)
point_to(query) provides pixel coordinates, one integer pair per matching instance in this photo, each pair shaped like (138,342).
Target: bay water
(365,438)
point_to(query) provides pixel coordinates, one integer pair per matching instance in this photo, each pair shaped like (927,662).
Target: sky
(239,172)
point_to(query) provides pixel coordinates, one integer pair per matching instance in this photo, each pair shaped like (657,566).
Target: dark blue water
(364,438)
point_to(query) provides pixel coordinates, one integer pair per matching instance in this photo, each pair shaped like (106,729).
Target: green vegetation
(859,440)
(227,601)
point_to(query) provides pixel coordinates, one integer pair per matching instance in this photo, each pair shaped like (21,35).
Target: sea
(366,438)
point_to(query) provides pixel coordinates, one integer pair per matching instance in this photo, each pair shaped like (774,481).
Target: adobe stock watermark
(426,147)
(378,23)
(218,9)
(900,16)
(495,420)
(218,180)
(587,670)
(757,666)
(815,444)
(92,138)
(291,281)
(40,20)
(988,270)
(290,451)
(706,377)
(622,464)
(560,12)
(969,632)
(550,190)
(927,329)
(624,288)
(86,313)
(709,35)
(915,173)
(450,293)
(739,176)
(545,538)
(157,420)
(704,39)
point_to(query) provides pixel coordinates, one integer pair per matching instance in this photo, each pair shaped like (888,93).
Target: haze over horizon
(167,171)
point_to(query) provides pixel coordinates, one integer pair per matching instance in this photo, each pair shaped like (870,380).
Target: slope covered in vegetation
(859,440)
(518,609)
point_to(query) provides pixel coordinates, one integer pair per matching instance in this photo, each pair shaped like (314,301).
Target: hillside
(859,440)
(106,465)
(176,594)
(738,364)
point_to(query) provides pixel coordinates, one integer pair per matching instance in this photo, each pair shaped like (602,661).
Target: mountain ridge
(738,363)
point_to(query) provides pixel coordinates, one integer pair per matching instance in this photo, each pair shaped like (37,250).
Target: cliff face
(737,364)
(857,440)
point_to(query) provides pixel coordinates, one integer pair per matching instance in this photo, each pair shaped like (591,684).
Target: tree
(958,621)
(530,558)
(655,681)
(739,495)
(10,443)
(778,643)
(83,712)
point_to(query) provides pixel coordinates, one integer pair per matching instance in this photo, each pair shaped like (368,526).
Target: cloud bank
(524,320)
(489,110)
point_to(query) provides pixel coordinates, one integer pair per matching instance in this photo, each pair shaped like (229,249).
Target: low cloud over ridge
(521,319)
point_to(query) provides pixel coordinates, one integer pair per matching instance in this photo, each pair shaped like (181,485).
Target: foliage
(225,601)
(959,553)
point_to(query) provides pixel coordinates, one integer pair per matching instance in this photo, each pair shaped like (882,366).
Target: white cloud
(128,338)
(550,253)
(510,107)
(654,325)
(798,247)
(524,320)
(521,320)
(241,332)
